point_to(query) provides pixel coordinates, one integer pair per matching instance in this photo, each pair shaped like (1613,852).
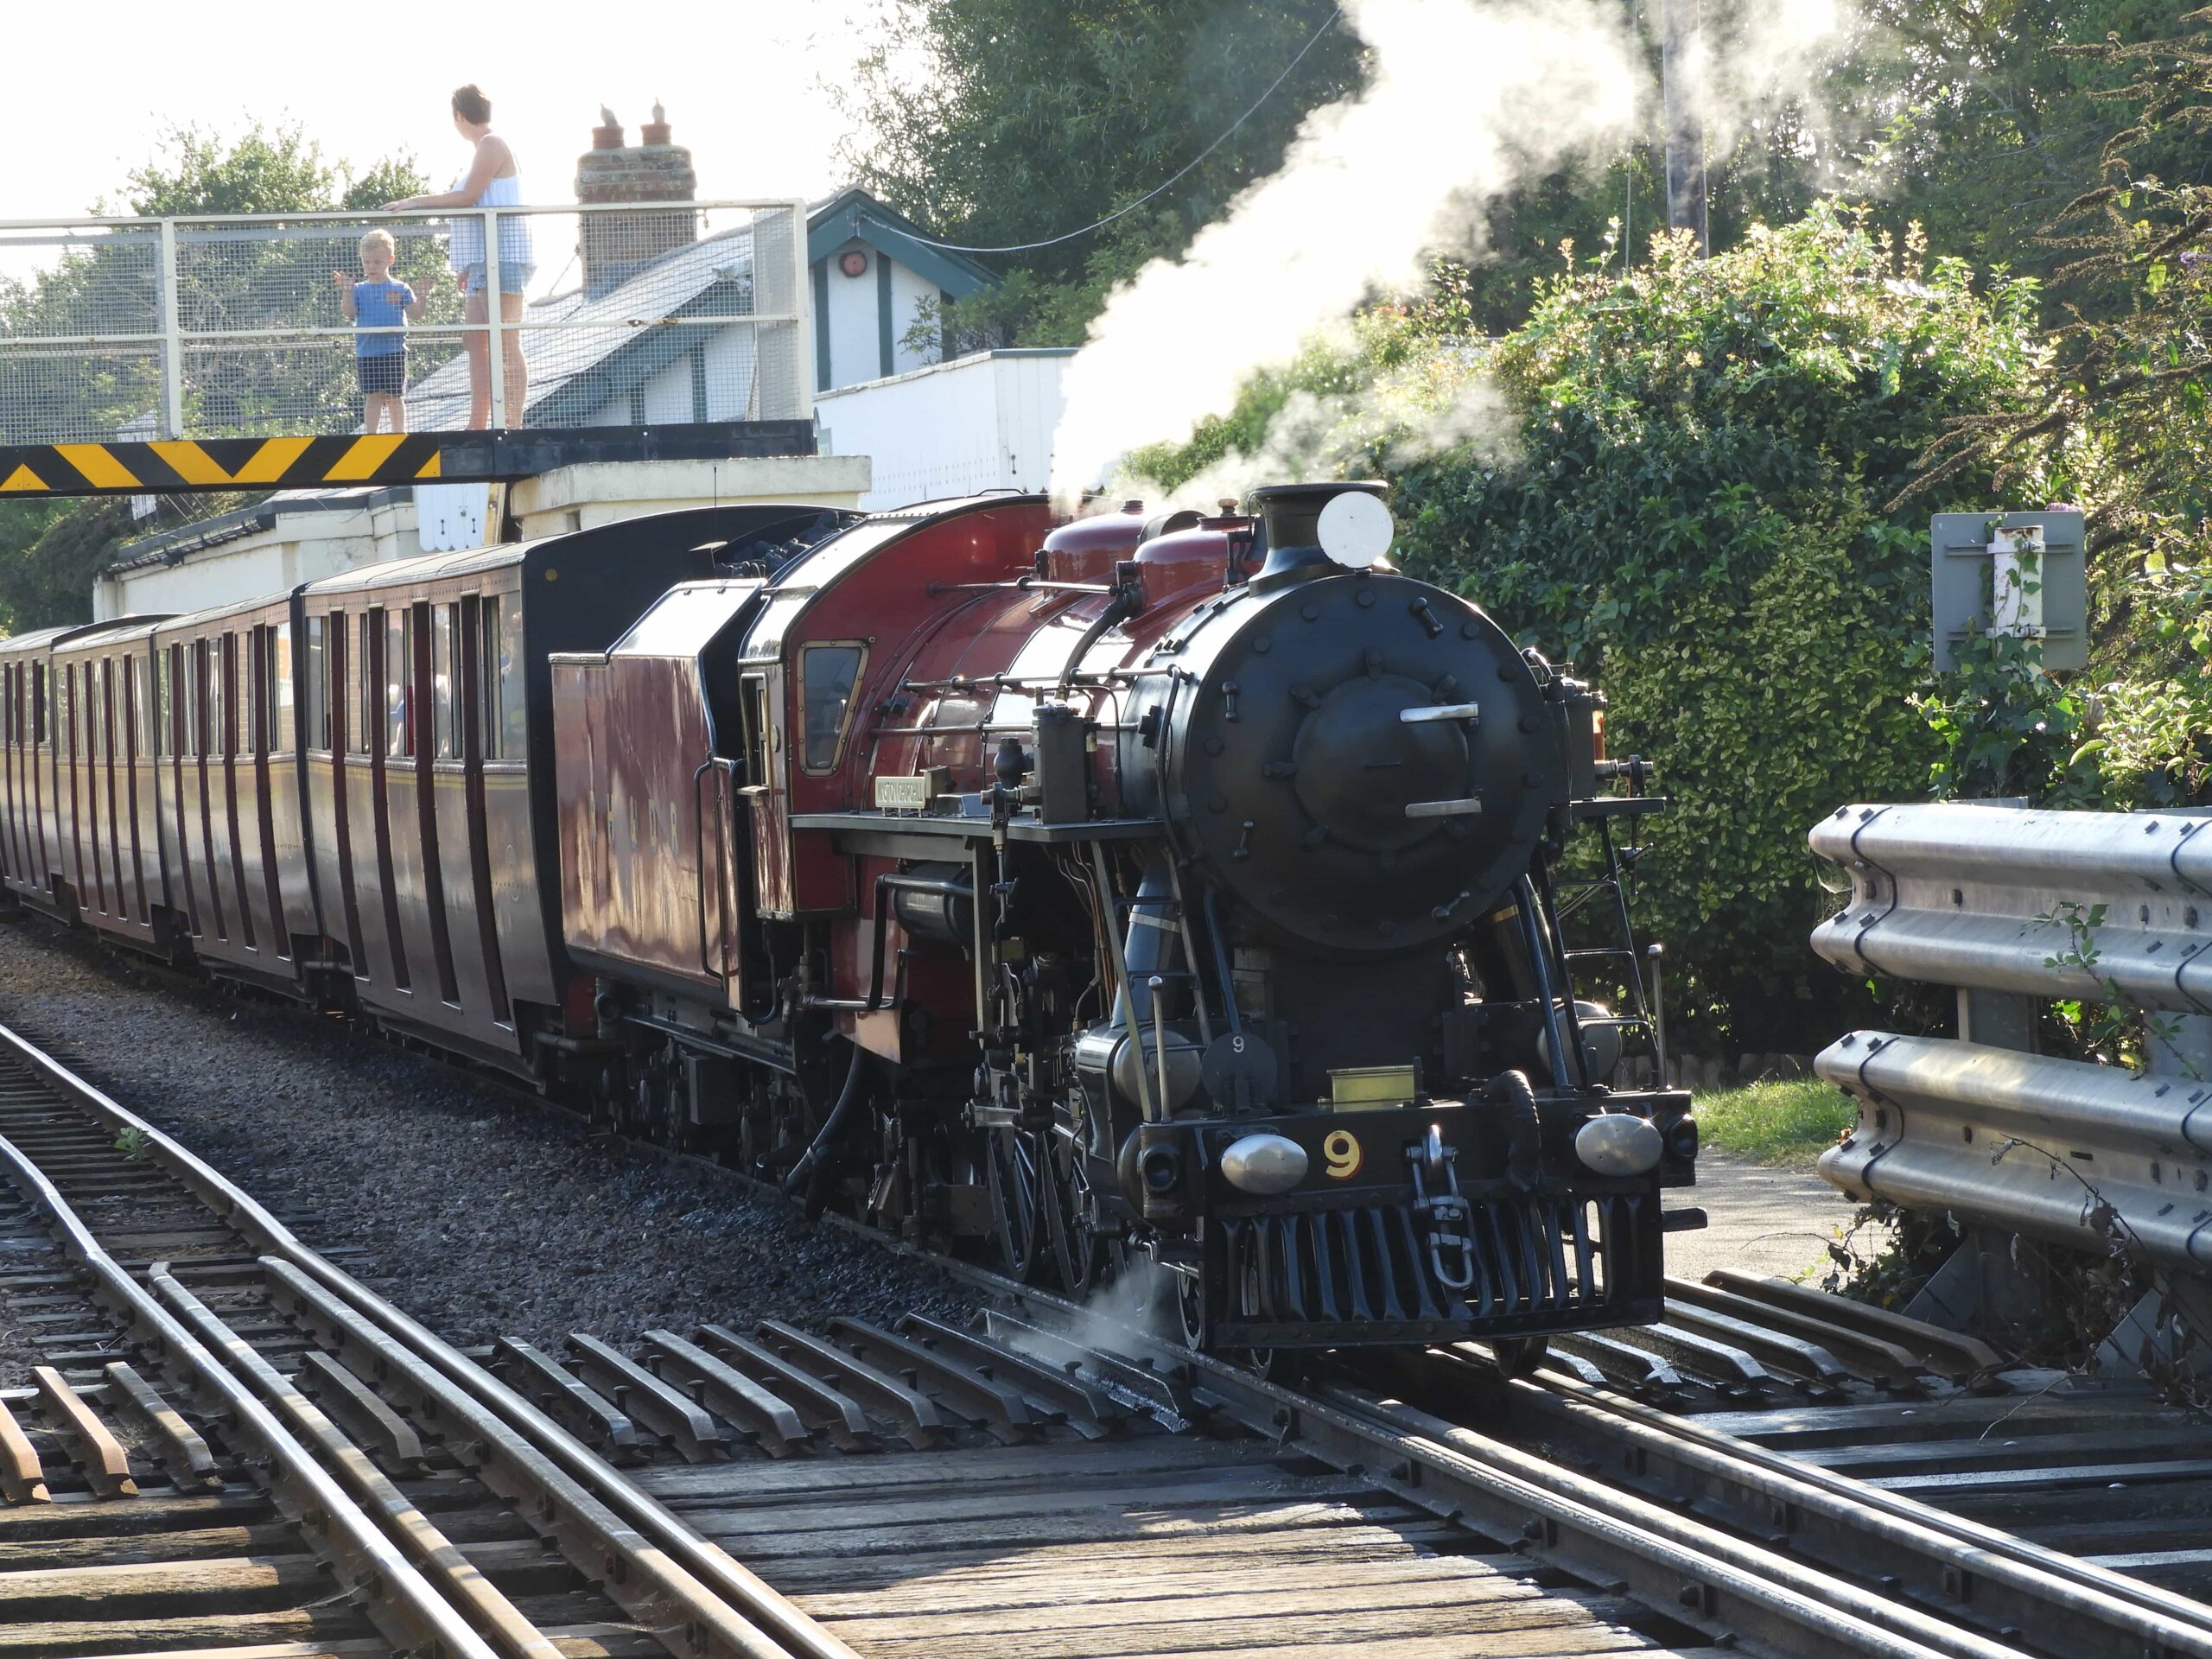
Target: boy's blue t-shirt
(380,305)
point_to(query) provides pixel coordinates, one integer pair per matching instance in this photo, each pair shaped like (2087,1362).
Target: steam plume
(1466,100)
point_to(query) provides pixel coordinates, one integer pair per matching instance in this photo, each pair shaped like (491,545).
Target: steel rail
(397,1597)
(511,1633)
(2059,1586)
(2156,1605)
(1736,1593)
(643,1550)
(2074,1606)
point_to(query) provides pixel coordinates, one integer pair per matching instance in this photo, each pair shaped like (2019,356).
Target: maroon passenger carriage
(1189,888)
(344,792)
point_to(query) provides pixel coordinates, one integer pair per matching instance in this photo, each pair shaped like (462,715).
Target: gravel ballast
(481,1215)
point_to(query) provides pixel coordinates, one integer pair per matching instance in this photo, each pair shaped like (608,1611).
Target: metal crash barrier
(2012,907)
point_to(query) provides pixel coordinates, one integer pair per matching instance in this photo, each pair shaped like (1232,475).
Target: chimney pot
(615,246)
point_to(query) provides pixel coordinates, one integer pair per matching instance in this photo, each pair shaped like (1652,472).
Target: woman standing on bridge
(492,181)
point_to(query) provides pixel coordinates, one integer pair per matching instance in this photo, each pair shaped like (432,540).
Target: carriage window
(368,696)
(335,716)
(95,696)
(825,678)
(65,729)
(398,698)
(487,714)
(221,695)
(752,698)
(39,717)
(193,679)
(280,688)
(253,692)
(514,686)
(315,733)
(443,689)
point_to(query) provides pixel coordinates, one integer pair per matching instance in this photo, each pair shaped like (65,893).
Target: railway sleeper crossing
(232,1446)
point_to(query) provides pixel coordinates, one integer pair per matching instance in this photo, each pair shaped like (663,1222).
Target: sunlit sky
(92,86)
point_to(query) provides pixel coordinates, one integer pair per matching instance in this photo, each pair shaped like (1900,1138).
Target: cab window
(827,674)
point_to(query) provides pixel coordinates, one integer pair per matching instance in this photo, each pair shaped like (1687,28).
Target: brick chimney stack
(616,246)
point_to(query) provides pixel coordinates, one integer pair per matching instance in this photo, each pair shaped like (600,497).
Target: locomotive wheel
(1191,1304)
(1519,1356)
(1018,1168)
(1077,1250)
(1284,1365)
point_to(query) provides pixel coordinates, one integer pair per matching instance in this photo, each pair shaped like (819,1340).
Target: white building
(979,423)
(875,276)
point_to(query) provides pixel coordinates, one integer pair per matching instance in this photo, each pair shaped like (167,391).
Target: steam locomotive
(1191,889)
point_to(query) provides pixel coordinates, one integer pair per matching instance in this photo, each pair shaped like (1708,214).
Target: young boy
(380,359)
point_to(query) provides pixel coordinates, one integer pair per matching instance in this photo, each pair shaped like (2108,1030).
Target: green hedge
(1696,513)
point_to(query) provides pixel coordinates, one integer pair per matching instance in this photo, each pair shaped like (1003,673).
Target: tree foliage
(50,554)
(1695,510)
(2121,416)
(278,278)
(999,122)
(46,581)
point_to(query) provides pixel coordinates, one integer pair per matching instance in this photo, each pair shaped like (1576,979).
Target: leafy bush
(1697,515)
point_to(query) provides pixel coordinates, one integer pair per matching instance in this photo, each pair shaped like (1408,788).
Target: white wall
(731,359)
(979,423)
(910,295)
(855,346)
(666,398)
(856,311)
(299,547)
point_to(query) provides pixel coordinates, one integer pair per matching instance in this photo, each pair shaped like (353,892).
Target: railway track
(232,1446)
(1769,1471)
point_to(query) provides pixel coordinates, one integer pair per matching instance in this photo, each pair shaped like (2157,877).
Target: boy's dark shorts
(386,373)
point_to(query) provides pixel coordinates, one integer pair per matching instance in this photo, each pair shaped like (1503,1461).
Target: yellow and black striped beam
(31,472)
(163,467)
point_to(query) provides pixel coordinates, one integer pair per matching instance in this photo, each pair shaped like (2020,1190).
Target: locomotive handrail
(1019,584)
(886,882)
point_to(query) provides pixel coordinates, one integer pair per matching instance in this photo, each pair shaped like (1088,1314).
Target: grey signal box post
(2020,573)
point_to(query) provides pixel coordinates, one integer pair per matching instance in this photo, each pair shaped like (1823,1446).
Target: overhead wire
(1274,86)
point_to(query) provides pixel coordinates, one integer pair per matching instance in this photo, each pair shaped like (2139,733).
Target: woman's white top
(465,248)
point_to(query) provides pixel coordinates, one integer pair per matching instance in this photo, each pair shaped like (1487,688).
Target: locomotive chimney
(1290,531)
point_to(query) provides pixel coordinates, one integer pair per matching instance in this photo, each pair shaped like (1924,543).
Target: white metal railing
(2014,907)
(231,325)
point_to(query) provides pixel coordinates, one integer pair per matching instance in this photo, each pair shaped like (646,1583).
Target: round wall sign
(852,261)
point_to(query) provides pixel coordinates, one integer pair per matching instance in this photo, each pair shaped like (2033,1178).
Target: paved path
(1766,1218)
